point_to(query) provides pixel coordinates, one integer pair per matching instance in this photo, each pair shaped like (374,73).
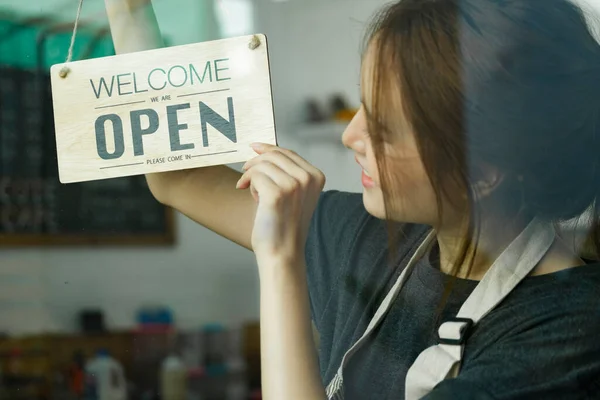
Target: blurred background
(100,277)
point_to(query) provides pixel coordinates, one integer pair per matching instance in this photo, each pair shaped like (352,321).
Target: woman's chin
(374,204)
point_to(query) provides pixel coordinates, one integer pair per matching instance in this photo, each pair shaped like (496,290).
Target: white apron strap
(442,361)
(334,388)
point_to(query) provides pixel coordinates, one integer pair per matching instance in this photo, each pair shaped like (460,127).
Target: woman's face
(412,198)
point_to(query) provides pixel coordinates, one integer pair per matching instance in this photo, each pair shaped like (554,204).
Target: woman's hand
(286,188)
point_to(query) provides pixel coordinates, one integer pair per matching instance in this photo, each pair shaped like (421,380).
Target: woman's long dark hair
(514,84)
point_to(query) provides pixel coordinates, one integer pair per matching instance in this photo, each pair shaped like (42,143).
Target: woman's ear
(486,179)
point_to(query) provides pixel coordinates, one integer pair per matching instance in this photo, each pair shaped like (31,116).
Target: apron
(443,360)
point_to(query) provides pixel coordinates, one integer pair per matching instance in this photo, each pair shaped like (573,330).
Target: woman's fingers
(264,187)
(283,163)
(262,148)
(290,162)
(270,153)
(285,182)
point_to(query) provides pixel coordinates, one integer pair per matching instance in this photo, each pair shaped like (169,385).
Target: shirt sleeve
(556,356)
(333,227)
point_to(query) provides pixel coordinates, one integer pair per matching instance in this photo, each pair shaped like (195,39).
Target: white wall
(314,51)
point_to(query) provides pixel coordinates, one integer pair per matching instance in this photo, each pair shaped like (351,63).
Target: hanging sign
(161,110)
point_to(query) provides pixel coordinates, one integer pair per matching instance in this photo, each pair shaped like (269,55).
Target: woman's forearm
(290,368)
(133,25)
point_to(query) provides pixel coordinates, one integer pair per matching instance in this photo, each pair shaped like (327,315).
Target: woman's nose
(354,136)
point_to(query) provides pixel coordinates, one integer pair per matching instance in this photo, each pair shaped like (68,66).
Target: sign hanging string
(65,70)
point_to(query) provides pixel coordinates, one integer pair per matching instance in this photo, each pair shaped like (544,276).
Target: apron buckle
(455,331)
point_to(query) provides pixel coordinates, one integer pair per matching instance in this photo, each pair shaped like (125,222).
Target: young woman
(446,279)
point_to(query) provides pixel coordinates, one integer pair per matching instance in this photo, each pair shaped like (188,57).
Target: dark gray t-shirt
(541,342)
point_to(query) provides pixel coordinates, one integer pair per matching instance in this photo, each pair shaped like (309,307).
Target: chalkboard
(35,208)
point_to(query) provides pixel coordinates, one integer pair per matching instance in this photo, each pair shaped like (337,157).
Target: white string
(65,70)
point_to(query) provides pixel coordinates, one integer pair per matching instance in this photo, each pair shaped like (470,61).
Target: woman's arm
(286,189)
(206,195)
(290,368)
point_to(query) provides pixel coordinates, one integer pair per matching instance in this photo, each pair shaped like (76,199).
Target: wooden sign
(165,109)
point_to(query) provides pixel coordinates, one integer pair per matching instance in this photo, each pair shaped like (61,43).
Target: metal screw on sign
(254,43)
